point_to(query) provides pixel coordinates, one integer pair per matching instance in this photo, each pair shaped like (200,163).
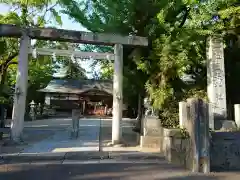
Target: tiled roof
(77,86)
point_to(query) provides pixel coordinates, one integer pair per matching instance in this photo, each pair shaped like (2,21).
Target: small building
(93,97)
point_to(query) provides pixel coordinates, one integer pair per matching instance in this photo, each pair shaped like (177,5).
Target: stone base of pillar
(117,144)
(15,142)
(151,142)
(16,139)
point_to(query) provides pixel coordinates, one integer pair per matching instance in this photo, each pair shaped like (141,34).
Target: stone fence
(171,143)
(193,145)
(225,151)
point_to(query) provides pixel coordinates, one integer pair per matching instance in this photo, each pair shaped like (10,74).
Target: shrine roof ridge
(72,86)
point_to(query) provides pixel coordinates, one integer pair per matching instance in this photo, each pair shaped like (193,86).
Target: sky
(67,24)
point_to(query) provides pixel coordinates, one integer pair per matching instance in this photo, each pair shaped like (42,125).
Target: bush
(169,114)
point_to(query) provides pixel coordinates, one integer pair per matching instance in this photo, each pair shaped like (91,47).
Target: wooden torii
(26,34)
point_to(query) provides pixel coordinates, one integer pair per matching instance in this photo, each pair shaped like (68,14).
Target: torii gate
(26,34)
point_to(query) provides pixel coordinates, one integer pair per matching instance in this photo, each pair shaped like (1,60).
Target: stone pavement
(59,157)
(91,137)
(52,135)
(30,136)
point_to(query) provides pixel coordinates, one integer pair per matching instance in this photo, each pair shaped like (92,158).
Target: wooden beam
(53,34)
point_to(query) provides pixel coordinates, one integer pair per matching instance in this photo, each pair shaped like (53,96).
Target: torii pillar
(20,94)
(117,95)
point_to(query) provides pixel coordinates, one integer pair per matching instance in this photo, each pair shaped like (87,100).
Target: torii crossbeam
(75,54)
(53,34)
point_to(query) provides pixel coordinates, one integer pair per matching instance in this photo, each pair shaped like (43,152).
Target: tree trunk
(3,76)
(4,67)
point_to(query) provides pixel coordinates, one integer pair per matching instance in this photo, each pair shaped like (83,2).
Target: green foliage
(32,13)
(177,32)
(75,71)
(32,9)
(112,17)
(184,133)
(56,16)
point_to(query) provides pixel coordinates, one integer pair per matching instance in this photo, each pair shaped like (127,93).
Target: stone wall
(193,145)
(176,148)
(225,151)
(152,133)
(169,142)
(189,145)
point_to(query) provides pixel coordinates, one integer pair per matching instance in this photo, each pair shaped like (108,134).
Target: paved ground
(56,156)
(104,170)
(53,135)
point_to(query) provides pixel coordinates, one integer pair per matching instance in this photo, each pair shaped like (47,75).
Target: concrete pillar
(20,94)
(75,122)
(117,94)
(237,114)
(183,114)
(204,137)
(198,128)
(216,80)
(193,129)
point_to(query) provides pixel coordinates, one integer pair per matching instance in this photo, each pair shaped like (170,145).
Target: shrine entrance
(26,34)
(91,97)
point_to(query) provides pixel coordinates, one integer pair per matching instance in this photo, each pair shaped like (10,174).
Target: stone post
(204,137)
(182,114)
(20,94)
(193,129)
(237,114)
(216,80)
(75,122)
(198,128)
(117,94)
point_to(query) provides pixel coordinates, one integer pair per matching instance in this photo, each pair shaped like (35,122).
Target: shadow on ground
(107,171)
(131,156)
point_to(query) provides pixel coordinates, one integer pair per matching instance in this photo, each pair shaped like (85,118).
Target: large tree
(32,13)
(120,18)
(23,13)
(177,32)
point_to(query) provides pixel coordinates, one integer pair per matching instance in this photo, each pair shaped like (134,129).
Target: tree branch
(184,17)
(8,60)
(46,10)
(11,63)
